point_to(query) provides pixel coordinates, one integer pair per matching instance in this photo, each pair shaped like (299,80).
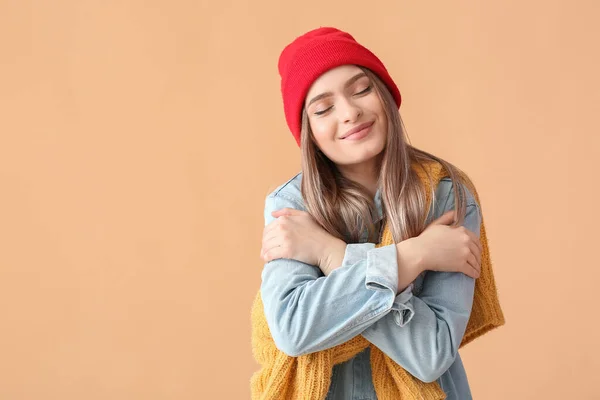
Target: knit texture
(309,376)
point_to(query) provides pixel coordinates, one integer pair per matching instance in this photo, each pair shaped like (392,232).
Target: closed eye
(323,112)
(365,91)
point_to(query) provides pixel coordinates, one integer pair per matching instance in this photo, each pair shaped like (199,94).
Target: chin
(368,149)
(363,155)
(375,145)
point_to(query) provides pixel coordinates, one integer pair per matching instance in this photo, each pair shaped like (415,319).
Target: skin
(339,100)
(346,107)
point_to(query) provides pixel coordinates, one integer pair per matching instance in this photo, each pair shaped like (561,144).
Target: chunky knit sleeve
(427,346)
(307,311)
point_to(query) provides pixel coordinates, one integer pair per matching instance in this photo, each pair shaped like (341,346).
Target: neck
(365,173)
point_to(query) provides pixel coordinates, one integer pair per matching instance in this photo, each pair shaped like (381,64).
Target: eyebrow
(326,94)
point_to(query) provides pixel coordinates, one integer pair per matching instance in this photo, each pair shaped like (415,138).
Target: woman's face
(339,101)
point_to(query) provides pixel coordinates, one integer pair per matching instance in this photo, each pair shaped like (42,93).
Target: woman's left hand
(295,234)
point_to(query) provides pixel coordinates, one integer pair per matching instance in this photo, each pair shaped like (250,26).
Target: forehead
(333,79)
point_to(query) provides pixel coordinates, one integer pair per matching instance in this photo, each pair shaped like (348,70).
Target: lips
(357,129)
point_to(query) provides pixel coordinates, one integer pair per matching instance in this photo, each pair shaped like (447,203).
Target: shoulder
(445,201)
(444,192)
(285,195)
(290,190)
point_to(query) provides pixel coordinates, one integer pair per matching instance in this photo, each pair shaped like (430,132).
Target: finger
(475,250)
(475,239)
(475,267)
(279,213)
(270,227)
(286,211)
(270,242)
(274,224)
(446,219)
(273,253)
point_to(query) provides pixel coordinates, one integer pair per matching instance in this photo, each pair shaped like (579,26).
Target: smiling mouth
(360,128)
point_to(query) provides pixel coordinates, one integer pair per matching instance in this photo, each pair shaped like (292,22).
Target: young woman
(325,281)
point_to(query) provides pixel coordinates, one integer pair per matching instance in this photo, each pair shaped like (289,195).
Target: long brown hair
(344,208)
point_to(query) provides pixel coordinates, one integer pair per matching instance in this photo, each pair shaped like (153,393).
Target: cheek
(384,127)
(323,129)
(380,112)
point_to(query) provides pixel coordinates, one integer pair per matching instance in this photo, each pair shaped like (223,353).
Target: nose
(349,111)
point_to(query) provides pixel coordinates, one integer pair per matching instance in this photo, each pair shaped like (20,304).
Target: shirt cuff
(382,268)
(402,309)
(356,252)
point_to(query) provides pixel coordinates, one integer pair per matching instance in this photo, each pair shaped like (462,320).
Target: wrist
(333,255)
(410,263)
(410,254)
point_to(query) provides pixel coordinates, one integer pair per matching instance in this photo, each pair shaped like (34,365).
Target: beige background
(139,138)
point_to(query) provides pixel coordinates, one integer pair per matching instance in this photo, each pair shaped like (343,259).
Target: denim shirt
(419,328)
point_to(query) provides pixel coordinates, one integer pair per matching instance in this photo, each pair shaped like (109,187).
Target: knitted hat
(315,52)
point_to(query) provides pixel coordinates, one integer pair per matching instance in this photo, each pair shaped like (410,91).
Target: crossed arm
(307,311)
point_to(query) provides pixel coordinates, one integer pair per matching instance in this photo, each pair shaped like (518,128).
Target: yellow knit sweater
(308,376)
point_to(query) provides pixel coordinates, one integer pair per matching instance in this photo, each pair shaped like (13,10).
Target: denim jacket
(420,328)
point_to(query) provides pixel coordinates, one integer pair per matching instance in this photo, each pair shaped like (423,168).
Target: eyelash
(367,90)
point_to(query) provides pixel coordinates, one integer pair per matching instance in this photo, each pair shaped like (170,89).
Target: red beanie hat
(308,56)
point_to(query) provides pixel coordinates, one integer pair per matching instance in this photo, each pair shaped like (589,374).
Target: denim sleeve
(308,312)
(427,344)
(401,311)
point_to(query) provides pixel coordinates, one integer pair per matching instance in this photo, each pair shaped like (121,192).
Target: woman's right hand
(441,247)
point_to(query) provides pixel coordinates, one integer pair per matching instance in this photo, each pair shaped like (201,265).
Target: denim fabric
(420,328)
